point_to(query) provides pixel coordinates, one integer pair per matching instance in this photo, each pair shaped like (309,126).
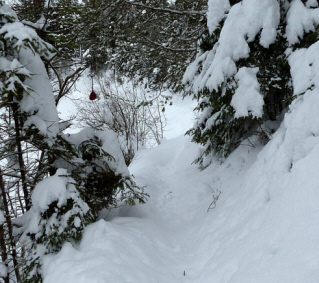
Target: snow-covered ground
(264,228)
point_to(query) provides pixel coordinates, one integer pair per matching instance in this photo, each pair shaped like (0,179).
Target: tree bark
(20,155)
(14,254)
(4,253)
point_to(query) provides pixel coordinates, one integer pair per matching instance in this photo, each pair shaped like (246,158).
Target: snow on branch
(300,19)
(247,98)
(244,22)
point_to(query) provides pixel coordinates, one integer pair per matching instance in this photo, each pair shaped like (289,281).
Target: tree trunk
(11,243)
(4,253)
(20,156)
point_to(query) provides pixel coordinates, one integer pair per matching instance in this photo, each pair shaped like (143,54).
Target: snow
(312,3)
(41,100)
(51,189)
(179,116)
(300,19)
(264,227)
(39,24)
(3,270)
(110,145)
(7,65)
(8,12)
(253,218)
(37,100)
(216,12)
(2,219)
(244,21)
(247,98)
(304,65)
(57,188)
(18,31)
(302,124)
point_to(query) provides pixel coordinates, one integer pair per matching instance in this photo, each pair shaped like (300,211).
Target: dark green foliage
(29,10)
(207,42)
(218,130)
(59,223)
(57,21)
(148,40)
(273,75)
(152,39)
(99,185)
(29,155)
(91,186)
(308,39)
(221,133)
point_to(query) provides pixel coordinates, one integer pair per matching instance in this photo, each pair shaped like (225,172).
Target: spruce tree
(33,147)
(58,215)
(243,79)
(28,118)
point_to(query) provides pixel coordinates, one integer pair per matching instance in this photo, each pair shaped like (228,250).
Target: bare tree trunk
(4,253)
(20,156)
(9,225)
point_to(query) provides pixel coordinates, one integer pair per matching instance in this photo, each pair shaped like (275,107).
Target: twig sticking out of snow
(215,199)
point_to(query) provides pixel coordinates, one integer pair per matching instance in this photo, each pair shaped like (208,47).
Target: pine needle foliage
(218,129)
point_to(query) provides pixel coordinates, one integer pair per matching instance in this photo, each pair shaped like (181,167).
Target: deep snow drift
(264,227)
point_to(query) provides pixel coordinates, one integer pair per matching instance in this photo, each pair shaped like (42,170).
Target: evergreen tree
(58,215)
(159,39)
(60,24)
(89,175)
(244,79)
(28,118)
(100,170)
(147,39)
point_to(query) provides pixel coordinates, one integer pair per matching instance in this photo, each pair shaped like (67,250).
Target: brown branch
(62,91)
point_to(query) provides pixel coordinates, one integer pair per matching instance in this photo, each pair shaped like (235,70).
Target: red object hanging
(93,95)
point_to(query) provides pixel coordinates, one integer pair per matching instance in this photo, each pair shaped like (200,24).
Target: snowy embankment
(264,228)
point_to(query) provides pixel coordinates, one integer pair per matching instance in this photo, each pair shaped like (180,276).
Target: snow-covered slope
(264,228)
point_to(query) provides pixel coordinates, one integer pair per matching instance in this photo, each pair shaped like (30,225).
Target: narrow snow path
(175,197)
(264,228)
(153,242)
(163,240)
(180,195)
